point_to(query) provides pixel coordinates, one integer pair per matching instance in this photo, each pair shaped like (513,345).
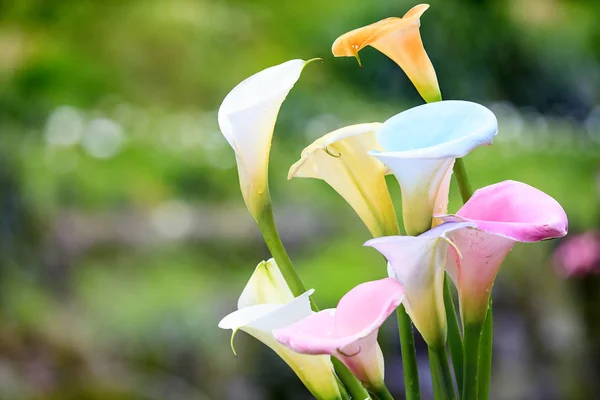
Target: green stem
(407,342)
(485,349)
(343,392)
(409,355)
(472,340)
(485,355)
(382,393)
(443,388)
(454,335)
(266,224)
(355,388)
(460,172)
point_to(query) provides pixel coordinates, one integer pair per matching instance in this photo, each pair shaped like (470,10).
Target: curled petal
(503,214)
(262,309)
(418,263)
(400,40)
(341,159)
(421,145)
(266,317)
(247,118)
(516,210)
(350,332)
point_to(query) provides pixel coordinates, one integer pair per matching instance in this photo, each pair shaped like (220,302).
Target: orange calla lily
(400,40)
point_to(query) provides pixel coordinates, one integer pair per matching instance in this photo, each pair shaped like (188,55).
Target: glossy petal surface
(420,147)
(503,214)
(350,331)
(400,40)
(247,119)
(341,159)
(418,263)
(266,304)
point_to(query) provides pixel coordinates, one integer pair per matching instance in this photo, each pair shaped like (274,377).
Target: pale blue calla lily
(421,145)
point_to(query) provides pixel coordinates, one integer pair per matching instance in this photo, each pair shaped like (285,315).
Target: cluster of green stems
(470,348)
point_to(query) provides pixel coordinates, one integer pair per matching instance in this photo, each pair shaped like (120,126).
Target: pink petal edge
(514,210)
(360,313)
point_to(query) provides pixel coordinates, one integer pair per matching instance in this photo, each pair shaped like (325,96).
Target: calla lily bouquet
(335,351)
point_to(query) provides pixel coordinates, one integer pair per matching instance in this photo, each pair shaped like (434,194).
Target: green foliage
(94,275)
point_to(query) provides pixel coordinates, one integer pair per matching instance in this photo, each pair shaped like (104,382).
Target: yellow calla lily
(400,40)
(266,304)
(341,159)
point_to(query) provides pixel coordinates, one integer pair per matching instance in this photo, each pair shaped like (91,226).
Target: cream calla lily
(421,145)
(341,159)
(247,119)
(267,304)
(266,286)
(418,263)
(400,40)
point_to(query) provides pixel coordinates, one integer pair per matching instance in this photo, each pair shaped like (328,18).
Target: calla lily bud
(349,332)
(247,119)
(502,214)
(400,40)
(421,145)
(267,304)
(418,263)
(341,159)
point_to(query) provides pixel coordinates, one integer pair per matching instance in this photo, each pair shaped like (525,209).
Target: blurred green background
(123,235)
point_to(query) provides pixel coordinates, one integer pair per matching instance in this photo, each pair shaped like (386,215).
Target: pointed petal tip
(266,84)
(358,59)
(312,60)
(231,342)
(417,11)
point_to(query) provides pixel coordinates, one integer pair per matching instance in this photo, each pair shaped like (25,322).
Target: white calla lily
(341,159)
(421,145)
(267,304)
(247,119)
(418,263)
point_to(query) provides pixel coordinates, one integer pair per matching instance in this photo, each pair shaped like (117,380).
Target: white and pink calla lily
(418,263)
(420,147)
(267,304)
(349,332)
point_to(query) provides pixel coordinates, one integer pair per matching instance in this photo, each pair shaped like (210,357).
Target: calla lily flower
(340,158)
(247,119)
(266,304)
(421,145)
(349,332)
(503,214)
(400,40)
(418,263)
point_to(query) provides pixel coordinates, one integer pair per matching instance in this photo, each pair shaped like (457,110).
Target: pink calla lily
(503,214)
(349,332)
